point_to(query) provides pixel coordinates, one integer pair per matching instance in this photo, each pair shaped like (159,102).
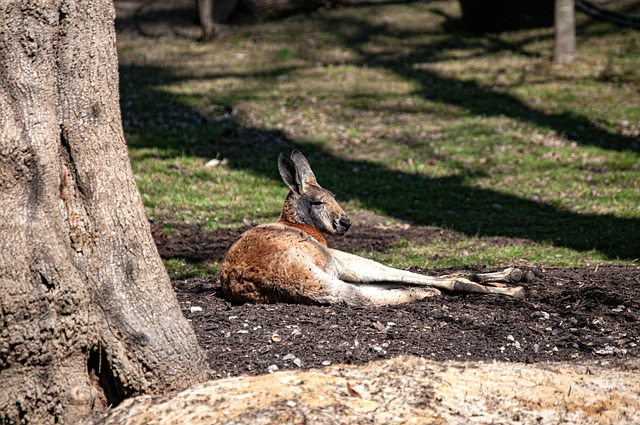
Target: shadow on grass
(447,202)
(356,34)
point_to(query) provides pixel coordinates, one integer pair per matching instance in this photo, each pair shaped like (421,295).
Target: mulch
(569,314)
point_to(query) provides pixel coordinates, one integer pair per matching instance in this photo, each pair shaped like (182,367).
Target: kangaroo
(289,260)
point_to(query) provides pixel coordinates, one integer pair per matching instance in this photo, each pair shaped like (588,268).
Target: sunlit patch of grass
(483,251)
(406,115)
(180,189)
(178,268)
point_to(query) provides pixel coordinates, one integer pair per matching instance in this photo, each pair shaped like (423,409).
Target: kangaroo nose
(345,222)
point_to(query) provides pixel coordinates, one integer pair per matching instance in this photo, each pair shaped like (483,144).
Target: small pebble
(618,309)
(273,368)
(195,308)
(543,315)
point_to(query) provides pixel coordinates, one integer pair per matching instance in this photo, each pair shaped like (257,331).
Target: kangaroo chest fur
(271,257)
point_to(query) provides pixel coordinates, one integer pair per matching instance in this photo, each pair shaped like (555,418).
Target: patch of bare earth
(195,244)
(569,314)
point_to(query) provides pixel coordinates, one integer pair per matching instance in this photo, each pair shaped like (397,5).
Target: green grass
(178,268)
(482,251)
(409,119)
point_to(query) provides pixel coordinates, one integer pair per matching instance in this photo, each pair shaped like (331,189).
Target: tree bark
(205,12)
(88,316)
(564,47)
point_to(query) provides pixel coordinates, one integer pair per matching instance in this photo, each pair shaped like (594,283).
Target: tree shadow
(356,34)
(155,19)
(447,202)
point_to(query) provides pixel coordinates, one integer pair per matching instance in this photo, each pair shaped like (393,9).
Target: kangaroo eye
(317,203)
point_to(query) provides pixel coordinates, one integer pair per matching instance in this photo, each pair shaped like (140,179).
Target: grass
(179,268)
(407,118)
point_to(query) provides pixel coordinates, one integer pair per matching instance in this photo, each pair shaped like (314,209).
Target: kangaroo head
(307,202)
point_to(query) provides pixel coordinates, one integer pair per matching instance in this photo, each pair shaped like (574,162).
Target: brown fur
(289,261)
(267,259)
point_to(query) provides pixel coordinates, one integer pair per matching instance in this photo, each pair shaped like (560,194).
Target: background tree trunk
(88,316)
(205,12)
(564,47)
(213,12)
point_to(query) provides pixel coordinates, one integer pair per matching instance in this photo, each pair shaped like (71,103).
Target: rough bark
(88,316)
(564,47)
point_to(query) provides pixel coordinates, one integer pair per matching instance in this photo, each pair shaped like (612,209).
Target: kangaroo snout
(342,225)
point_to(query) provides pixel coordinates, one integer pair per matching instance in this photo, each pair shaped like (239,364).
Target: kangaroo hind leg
(332,290)
(353,268)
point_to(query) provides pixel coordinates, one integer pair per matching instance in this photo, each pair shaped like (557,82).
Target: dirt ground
(569,314)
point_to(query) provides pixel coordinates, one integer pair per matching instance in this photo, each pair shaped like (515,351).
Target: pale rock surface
(404,390)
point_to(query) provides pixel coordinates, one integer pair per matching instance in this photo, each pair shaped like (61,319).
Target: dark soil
(568,315)
(196,245)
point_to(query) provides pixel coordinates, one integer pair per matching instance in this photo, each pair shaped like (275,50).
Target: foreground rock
(404,390)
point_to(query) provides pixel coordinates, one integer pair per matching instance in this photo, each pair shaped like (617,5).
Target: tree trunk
(213,12)
(564,48)
(88,316)
(205,12)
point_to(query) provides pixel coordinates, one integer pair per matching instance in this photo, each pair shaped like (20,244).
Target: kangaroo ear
(288,173)
(296,171)
(304,175)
